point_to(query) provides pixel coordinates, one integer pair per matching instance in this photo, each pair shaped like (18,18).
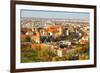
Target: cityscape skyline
(54,36)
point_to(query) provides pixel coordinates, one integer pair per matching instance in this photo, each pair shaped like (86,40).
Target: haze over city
(55,14)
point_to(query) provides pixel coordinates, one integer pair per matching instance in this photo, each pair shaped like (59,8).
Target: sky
(55,14)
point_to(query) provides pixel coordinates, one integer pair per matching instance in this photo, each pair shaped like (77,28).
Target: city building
(84,40)
(35,38)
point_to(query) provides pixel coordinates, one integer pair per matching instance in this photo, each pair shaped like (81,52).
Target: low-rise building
(35,37)
(84,40)
(61,52)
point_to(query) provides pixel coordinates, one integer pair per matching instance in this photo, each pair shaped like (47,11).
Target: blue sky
(55,14)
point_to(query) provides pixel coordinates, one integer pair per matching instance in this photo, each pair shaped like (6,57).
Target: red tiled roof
(54,28)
